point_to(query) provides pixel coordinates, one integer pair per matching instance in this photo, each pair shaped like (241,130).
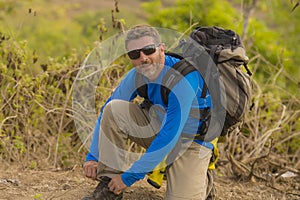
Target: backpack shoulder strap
(142,88)
(204,90)
(173,76)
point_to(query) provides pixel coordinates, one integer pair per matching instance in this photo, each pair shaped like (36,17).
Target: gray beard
(153,71)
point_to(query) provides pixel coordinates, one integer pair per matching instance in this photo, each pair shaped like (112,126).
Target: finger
(112,188)
(94,173)
(115,188)
(89,172)
(110,184)
(118,192)
(85,171)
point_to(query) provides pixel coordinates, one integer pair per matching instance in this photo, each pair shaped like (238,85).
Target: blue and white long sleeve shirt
(186,94)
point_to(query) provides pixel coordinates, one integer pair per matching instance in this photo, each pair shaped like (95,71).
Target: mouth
(145,67)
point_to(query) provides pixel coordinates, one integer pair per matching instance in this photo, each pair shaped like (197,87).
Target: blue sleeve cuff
(130,178)
(90,157)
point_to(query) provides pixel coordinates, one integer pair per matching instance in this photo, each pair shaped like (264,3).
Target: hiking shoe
(102,191)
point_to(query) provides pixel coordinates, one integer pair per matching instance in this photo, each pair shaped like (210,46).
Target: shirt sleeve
(180,100)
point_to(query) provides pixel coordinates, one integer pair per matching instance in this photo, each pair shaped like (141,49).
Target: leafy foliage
(40,59)
(33,108)
(185,13)
(37,126)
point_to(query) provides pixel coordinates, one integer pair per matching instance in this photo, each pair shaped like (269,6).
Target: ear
(162,47)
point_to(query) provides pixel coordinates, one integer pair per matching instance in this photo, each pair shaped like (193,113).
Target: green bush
(40,58)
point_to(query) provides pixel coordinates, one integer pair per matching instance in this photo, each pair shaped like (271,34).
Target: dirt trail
(28,185)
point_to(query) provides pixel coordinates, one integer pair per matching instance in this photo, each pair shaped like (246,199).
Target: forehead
(139,43)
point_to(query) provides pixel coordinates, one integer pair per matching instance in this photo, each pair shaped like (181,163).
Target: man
(159,132)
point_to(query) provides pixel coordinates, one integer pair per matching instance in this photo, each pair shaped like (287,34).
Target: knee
(107,110)
(112,110)
(114,116)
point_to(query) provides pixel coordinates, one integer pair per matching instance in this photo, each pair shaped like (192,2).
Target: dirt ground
(33,184)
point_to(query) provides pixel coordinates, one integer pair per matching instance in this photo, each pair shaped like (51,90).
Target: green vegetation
(42,45)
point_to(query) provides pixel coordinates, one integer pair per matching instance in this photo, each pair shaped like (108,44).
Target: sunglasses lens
(147,50)
(134,54)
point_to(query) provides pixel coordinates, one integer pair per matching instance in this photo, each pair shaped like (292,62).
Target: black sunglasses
(147,50)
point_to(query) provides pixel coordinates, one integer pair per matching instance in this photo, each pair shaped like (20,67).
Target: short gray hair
(139,31)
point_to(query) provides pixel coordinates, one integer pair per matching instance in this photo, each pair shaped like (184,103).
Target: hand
(116,185)
(90,169)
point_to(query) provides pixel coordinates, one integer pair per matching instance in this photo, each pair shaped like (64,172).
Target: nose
(143,57)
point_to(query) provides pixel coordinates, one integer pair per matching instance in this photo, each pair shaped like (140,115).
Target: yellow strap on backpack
(156,177)
(215,155)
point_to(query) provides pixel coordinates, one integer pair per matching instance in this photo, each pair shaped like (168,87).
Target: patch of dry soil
(32,184)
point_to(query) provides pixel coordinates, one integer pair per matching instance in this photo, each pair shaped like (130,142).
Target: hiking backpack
(226,50)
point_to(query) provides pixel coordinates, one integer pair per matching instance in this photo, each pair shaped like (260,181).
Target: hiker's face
(148,57)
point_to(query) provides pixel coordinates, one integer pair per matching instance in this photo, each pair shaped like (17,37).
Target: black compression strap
(142,88)
(172,77)
(204,90)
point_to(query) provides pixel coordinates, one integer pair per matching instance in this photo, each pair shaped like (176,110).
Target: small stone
(66,187)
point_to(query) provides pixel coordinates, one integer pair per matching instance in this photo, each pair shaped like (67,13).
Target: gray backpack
(227,52)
